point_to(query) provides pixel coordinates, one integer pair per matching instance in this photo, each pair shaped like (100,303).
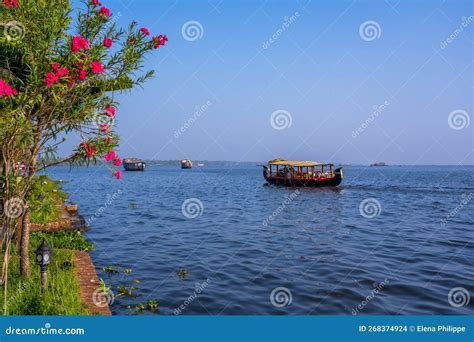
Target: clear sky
(322,66)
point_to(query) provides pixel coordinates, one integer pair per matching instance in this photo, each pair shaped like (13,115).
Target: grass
(62,297)
(46,200)
(25,296)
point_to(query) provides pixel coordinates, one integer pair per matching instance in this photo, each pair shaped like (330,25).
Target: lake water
(389,240)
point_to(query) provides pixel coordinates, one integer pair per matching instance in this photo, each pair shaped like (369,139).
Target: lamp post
(43,259)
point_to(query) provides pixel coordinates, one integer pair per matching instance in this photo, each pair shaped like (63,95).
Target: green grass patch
(46,200)
(62,297)
(63,239)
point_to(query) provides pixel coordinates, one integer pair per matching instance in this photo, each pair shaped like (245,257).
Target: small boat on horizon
(186,164)
(134,164)
(301,173)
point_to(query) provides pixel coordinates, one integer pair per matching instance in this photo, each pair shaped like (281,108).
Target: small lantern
(43,259)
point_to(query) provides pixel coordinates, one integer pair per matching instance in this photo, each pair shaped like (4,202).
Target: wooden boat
(301,173)
(186,164)
(133,164)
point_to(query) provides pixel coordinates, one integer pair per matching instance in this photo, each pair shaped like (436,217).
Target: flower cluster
(88,149)
(6,89)
(8,3)
(78,43)
(159,40)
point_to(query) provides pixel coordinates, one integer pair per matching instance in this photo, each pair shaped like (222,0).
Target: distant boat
(200,164)
(186,164)
(301,173)
(379,164)
(133,164)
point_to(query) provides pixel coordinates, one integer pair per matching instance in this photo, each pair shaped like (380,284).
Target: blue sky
(321,71)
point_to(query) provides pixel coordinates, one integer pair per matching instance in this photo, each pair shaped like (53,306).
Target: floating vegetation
(137,281)
(139,307)
(132,205)
(182,273)
(126,290)
(127,270)
(110,269)
(152,305)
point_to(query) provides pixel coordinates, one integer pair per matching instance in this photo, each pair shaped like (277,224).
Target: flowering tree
(58,78)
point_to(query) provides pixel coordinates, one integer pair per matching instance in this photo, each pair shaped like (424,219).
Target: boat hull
(312,183)
(134,166)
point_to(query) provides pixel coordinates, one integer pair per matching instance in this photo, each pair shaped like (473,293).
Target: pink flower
(110,111)
(55,66)
(9,3)
(104,128)
(145,31)
(81,74)
(78,44)
(5,89)
(104,11)
(50,79)
(159,40)
(110,156)
(97,68)
(117,161)
(95,2)
(118,174)
(62,72)
(107,42)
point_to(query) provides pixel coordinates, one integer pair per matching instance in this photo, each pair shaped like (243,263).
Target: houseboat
(133,164)
(301,173)
(186,164)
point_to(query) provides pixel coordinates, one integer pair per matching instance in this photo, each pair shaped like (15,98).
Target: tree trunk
(24,244)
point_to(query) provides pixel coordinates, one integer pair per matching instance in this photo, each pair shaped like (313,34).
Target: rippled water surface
(252,238)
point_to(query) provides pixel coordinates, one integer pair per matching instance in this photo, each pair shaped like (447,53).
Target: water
(251,239)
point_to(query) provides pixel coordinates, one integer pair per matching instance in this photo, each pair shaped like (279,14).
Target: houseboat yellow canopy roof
(296,163)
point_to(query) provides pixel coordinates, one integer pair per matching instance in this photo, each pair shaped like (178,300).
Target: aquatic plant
(182,273)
